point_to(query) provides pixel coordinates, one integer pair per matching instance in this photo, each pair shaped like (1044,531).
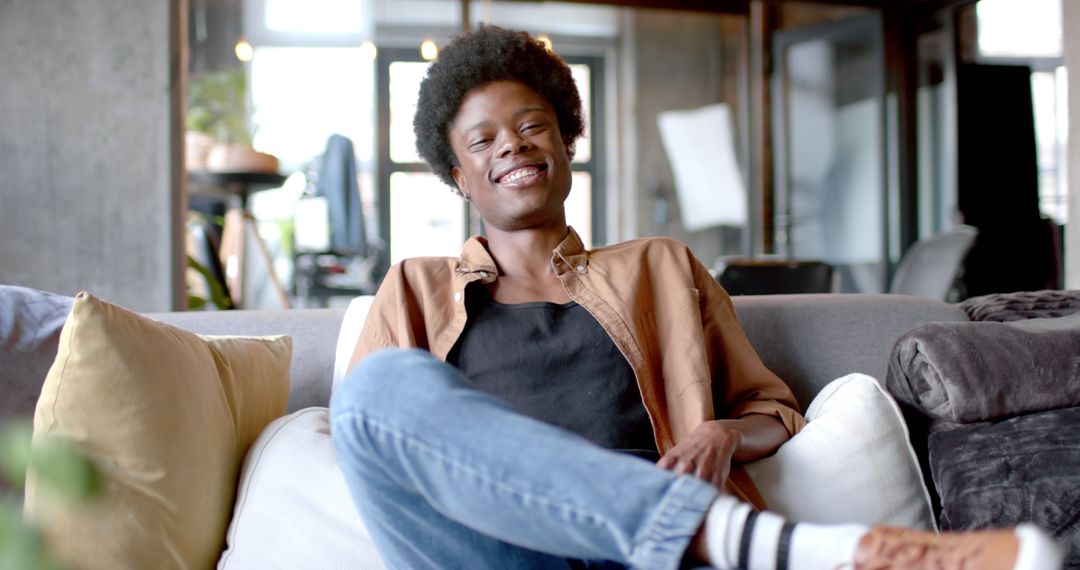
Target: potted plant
(218,138)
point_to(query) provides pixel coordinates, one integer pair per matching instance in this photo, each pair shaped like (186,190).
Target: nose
(513,143)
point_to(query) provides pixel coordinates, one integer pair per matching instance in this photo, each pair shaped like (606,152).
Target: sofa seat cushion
(166,417)
(1025,469)
(852,463)
(986,371)
(293,508)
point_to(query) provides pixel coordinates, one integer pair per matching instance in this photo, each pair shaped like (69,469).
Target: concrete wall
(89,121)
(1072,62)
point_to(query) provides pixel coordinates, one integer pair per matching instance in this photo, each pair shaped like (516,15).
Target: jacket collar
(476,260)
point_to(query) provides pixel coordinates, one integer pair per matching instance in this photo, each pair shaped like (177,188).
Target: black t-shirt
(554,363)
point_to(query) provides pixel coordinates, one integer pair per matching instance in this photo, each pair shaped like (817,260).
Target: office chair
(930,267)
(345,265)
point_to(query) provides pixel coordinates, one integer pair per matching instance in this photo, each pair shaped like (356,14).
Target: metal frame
(598,151)
(384,166)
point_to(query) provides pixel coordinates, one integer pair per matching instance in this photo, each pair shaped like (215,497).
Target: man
(553,406)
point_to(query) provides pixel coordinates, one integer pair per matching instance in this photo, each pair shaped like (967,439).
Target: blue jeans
(445,476)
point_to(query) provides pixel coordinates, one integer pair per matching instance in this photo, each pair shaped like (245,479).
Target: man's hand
(705,453)
(709,450)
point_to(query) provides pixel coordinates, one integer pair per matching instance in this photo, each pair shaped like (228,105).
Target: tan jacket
(671,320)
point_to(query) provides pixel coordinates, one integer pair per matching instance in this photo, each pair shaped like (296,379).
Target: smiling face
(512,161)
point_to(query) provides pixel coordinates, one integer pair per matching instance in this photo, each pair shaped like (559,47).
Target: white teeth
(519,174)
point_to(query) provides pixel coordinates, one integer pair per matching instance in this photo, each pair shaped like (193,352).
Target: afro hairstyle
(487,54)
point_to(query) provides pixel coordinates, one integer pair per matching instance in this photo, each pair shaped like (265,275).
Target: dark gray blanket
(1005,307)
(1026,469)
(984,371)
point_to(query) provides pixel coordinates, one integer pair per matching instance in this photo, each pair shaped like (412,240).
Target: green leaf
(15,452)
(63,470)
(217,291)
(217,105)
(21,546)
(59,467)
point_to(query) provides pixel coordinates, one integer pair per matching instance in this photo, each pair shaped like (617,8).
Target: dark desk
(236,187)
(229,184)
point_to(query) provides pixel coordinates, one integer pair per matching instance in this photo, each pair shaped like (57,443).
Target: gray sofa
(808,340)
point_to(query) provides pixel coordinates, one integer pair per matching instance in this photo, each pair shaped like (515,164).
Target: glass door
(830,144)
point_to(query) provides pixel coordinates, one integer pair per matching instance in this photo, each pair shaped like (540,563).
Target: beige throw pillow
(167,417)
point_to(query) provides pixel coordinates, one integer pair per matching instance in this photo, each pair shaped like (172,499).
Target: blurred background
(259,153)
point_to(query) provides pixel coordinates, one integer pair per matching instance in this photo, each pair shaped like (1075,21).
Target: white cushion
(852,463)
(293,508)
(348,336)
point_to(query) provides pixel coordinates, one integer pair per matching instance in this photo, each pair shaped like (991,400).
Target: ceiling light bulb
(428,50)
(368,51)
(243,49)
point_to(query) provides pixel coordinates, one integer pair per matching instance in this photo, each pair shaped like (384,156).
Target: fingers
(667,462)
(718,477)
(684,467)
(704,468)
(676,463)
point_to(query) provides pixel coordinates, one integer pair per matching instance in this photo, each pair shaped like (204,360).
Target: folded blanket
(1004,307)
(1026,469)
(981,371)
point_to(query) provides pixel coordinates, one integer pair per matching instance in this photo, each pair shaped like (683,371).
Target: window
(1048,91)
(1031,33)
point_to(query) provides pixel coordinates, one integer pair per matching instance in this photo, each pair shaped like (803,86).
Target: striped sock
(736,536)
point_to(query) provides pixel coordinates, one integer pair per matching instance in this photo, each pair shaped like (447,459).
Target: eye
(532,127)
(479,144)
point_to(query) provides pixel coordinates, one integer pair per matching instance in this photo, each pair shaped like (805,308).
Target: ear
(459,179)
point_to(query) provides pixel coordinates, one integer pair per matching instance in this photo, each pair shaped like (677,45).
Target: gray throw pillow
(982,371)
(30,323)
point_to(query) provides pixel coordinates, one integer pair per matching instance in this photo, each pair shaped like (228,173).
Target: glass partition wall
(831,164)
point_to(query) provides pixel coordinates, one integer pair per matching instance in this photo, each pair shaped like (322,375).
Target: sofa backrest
(810,340)
(314,333)
(807,340)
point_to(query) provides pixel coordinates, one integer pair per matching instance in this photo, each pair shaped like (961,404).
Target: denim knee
(389,378)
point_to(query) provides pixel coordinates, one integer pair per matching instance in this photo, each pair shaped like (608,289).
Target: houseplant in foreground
(59,467)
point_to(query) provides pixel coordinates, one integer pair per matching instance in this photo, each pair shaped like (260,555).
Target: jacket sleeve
(743,383)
